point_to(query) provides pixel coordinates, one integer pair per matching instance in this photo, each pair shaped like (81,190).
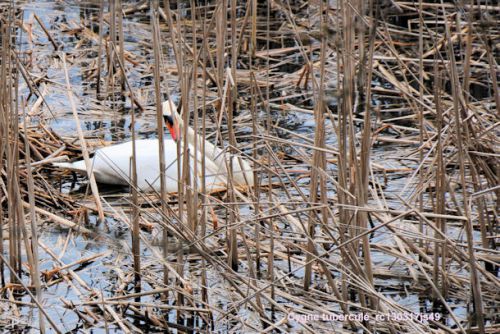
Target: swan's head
(172,119)
(172,127)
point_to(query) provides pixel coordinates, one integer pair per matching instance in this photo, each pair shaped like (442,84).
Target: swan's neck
(212,152)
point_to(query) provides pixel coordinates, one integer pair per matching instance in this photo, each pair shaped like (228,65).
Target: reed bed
(372,128)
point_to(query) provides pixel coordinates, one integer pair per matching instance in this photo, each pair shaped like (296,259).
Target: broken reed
(11,167)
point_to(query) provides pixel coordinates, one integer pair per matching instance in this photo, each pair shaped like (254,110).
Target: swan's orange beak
(173,127)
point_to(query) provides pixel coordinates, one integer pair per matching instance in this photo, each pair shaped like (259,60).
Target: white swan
(112,164)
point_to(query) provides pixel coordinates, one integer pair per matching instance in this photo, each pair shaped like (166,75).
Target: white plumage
(112,164)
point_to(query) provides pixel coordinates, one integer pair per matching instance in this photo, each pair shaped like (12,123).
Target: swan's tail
(77,166)
(242,171)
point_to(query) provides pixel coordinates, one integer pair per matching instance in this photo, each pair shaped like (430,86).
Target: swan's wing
(147,163)
(242,170)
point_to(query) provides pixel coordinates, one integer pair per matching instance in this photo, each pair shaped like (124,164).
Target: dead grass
(372,129)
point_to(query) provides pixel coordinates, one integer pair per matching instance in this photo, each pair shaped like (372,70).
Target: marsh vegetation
(372,132)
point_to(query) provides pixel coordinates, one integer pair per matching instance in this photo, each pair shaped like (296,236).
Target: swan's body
(112,164)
